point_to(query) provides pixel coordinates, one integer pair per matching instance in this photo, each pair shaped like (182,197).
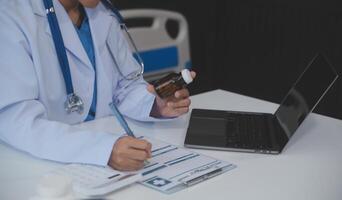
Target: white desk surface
(309,168)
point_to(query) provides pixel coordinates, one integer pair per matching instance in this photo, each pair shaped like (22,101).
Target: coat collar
(100,20)
(38,7)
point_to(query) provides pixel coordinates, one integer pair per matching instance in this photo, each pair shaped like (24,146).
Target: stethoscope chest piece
(74,103)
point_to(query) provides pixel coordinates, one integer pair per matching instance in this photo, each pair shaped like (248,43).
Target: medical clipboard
(173,174)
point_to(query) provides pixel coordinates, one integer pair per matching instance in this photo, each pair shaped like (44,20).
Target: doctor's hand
(172,106)
(129,154)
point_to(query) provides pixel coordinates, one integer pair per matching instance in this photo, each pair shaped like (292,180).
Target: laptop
(262,132)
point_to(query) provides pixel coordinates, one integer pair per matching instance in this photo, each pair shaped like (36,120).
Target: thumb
(151,89)
(193,74)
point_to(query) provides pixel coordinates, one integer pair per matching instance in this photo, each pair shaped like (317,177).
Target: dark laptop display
(262,132)
(305,94)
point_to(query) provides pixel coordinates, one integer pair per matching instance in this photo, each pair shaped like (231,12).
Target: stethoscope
(73,102)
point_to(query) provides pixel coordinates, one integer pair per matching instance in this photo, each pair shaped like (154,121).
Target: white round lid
(53,186)
(187,76)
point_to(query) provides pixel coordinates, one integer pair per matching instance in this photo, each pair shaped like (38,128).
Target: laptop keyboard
(248,132)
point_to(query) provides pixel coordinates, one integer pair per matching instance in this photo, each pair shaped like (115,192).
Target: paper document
(90,180)
(172,168)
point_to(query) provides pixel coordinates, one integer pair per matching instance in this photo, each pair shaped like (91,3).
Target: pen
(123,123)
(121,120)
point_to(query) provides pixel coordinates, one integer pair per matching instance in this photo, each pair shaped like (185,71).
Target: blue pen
(123,123)
(121,120)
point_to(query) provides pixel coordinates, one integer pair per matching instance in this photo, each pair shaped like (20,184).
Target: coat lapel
(100,19)
(71,40)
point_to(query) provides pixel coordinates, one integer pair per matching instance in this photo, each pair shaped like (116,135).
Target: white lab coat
(32,88)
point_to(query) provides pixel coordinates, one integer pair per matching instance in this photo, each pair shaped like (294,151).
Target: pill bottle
(168,85)
(54,187)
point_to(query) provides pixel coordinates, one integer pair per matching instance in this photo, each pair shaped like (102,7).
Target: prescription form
(170,169)
(173,168)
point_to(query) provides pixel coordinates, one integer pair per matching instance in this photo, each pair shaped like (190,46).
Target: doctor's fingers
(179,104)
(134,154)
(151,89)
(182,93)
(125,143)
(140,144)
(126,164)
(178,111)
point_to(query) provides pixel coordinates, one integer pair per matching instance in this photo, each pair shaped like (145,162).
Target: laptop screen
(305,94)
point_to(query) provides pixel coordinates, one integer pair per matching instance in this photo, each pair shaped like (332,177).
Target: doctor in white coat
(33,91)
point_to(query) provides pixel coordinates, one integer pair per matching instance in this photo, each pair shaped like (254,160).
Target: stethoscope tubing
(73,101)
